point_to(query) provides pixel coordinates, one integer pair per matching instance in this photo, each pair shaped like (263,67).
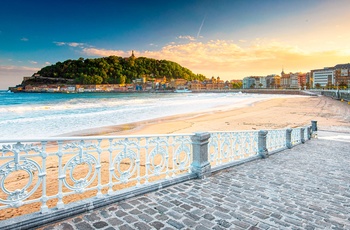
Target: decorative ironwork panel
(225,147)
(20,176)
(296,137)
(276,140)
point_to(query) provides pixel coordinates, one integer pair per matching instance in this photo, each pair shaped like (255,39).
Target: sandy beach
(271,114)
(331,115)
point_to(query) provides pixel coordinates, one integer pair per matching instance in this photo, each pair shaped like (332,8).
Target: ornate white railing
(42,171)
(225,147)
(276,140)
(296,136)
(48,174)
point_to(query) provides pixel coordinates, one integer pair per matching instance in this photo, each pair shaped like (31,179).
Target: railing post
(302,138)
(309,132)
(314,128)
(289,138)
(263,152)
(200,164)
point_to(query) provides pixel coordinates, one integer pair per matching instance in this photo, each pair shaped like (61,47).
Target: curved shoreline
(274,113)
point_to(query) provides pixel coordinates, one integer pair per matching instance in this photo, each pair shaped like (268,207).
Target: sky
(231,39)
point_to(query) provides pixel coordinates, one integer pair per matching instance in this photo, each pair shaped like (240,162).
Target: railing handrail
(78,138)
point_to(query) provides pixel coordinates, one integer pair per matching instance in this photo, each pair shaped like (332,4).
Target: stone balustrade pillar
(263,152)
(289,138)
(201,165)
(314,129)
(309,132)
(302,136)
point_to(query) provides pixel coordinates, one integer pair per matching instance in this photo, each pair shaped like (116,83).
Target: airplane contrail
(200,28)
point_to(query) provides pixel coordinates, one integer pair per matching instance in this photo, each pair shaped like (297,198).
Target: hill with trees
(111,70)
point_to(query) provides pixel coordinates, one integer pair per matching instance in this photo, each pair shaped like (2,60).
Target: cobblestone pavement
(306,187)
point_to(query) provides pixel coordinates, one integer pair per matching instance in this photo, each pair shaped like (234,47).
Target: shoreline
(273,113)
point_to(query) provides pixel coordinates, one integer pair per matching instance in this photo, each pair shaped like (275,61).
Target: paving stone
(109,228)
(175,215)
(218,227)
(125,227)
(208,217)
(241,224)
(104,214)
(260,215)
(189,223)
(100,224)
(120,213)
(115,221)
(175,224)
(198,212)
(77,220)
(161,217)
(223,223)
(84,226)
(150,211)
(157,225)
(135,212)
(160,209)
(92,217)
(192,216)
(66,226)
(125,206)
(129,219)
(142,206)
(145,217)
(222,215)
(142,226)
(207,223)
(176,202)
(201,227)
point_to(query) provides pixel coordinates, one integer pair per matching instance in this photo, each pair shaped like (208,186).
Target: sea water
(41,115)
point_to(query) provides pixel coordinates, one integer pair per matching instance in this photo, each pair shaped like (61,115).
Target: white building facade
(323,77)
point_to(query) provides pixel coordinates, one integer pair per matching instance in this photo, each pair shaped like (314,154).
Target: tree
(237,85)
(122,79)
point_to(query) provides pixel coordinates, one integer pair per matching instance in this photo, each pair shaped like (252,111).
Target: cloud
(47,63)
(187,37)
(75,44)
(60,43)
(104,52)
(33,62)
(231,60)
(24,39)
(71,44)
(259,57)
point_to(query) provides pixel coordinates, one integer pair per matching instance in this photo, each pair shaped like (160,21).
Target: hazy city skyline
(230,39)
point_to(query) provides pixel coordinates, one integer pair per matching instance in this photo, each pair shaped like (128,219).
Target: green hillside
(112,70)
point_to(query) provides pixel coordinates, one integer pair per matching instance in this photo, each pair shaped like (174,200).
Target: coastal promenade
(306,187)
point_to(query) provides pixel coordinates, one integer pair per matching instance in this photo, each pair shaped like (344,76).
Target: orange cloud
(229,60)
